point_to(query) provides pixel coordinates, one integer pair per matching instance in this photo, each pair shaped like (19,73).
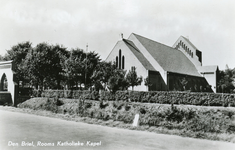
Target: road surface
(26,131)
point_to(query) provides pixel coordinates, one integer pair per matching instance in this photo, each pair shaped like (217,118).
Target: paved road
(25,131)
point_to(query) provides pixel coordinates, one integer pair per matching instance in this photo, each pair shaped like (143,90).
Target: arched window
(123,62)
(4,83)
(120,57)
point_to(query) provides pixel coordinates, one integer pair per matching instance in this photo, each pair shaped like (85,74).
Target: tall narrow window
(3,83)
(117,61)
(133,68)
(123,62)
(120,57)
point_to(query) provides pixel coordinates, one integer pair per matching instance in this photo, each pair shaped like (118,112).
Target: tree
(44,65)
(80,67)
(89,64)
(72,68)
(226,79)
(50,65)
(133,79)
(17,54)
(147,82)
(2,58)
(60,55)
(117,81)
(102,73)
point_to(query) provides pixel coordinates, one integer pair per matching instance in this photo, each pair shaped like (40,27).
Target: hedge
(92,95)
(161,97)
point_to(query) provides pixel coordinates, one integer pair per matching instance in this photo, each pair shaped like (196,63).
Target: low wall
(5,98)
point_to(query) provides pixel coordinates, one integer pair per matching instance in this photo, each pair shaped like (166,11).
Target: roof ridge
(155,41)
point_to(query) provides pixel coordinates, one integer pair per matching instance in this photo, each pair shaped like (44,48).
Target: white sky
(209,24)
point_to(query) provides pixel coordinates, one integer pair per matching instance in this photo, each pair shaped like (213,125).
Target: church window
(120,57)
(117,61)
(3,83)
(123,62)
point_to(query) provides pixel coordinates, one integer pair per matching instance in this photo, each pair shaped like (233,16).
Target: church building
(176,68)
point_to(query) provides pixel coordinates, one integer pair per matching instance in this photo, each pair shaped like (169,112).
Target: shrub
(91,95)
(127,107)
(122,96)
(36,93)
(142,111)
(68,94)
(103,105)
(105,95)
(51,105)
(231,128)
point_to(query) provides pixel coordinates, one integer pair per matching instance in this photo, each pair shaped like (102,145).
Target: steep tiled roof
(168,58)
(139,55)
